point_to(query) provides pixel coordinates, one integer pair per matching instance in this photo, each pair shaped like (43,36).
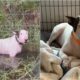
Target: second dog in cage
(68,36)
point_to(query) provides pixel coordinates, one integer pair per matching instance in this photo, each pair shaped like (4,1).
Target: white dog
(13,44)
(67,34)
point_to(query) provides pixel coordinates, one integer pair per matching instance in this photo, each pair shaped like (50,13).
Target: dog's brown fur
(70,50)
(50,64)
(64,32)
(72,74)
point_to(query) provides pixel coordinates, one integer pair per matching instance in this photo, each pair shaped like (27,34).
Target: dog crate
(54,12)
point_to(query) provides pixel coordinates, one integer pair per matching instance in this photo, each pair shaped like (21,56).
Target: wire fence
(54,12)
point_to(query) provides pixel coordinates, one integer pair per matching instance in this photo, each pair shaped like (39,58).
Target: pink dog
(13,45)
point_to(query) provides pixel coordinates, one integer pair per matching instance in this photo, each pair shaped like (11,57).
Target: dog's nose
(26,40)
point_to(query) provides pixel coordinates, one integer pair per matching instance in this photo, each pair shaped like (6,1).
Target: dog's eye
(21,33)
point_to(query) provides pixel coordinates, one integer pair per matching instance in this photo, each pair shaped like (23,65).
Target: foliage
(12,18)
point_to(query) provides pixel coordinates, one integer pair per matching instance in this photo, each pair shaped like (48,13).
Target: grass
(27,57)
(30,54)
(22,72)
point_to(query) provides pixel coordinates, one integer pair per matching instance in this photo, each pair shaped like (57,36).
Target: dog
(50,63)
(67,35)
(72,74)
(13,45)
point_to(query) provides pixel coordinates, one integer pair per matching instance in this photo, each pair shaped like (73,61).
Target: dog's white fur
(62,33)
(10,45)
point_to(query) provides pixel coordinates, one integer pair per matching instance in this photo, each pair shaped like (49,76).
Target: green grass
(23,71)
(11,21)
(28,59)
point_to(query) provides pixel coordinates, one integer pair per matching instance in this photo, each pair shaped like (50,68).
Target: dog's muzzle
(26,40)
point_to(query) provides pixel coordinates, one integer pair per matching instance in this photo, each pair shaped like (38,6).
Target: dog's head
(74,22)
(21,36)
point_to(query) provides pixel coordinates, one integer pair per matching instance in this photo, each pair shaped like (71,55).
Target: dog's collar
(75,38)
(18,41)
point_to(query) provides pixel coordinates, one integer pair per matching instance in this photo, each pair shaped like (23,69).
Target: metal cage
(54,12)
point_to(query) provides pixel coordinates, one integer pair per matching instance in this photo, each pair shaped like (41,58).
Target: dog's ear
(73,21)
(16,33)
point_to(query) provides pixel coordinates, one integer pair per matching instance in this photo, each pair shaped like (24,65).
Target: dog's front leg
(55,33)
(14,61)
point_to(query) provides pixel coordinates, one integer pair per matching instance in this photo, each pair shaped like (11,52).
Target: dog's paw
(66,62)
